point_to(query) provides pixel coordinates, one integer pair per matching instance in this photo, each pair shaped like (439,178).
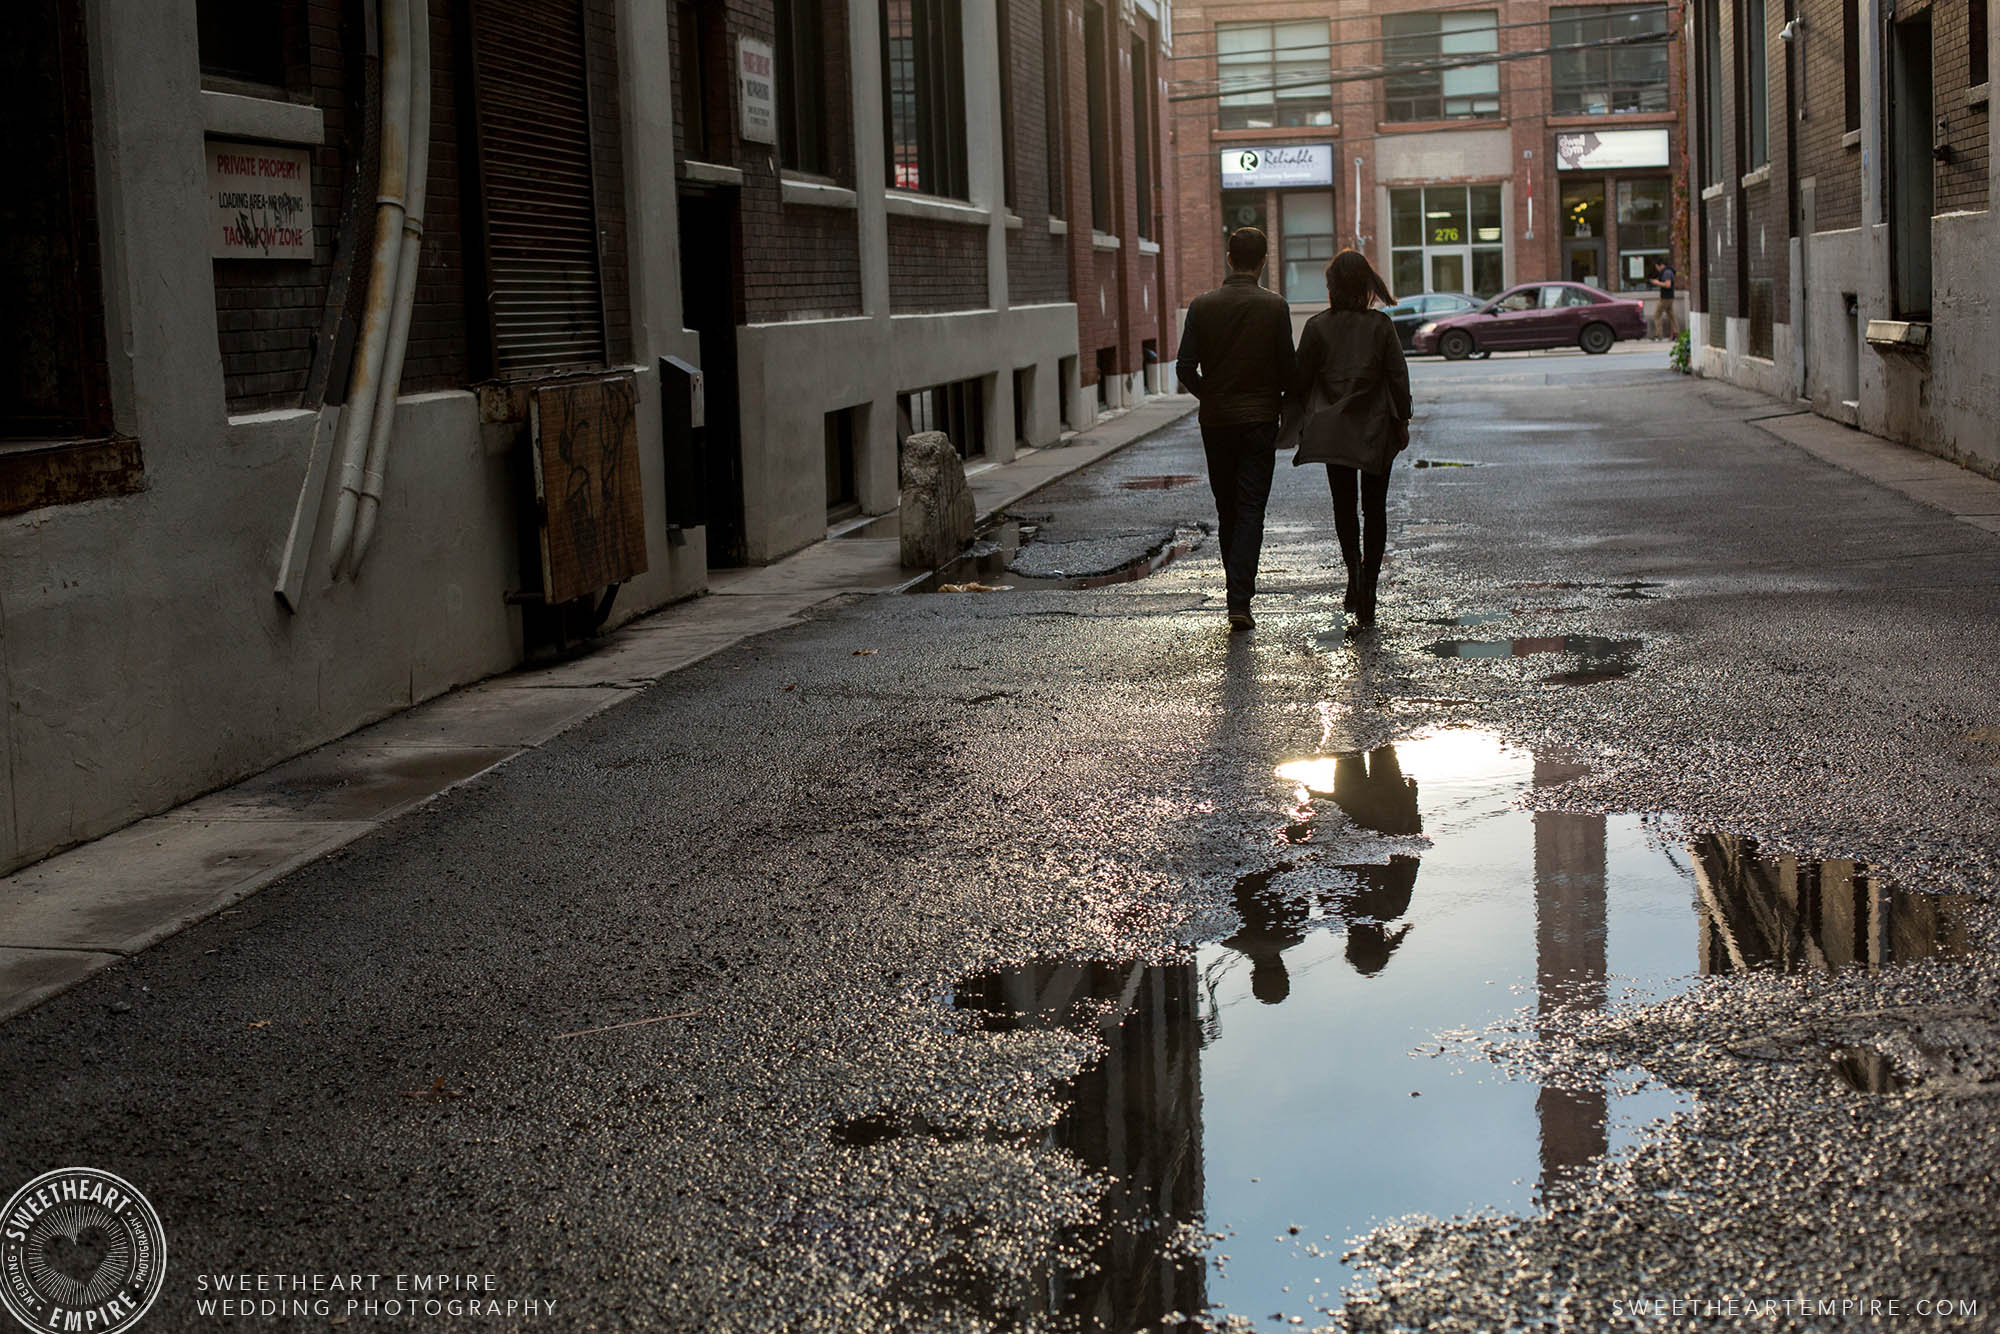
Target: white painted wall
(146,659)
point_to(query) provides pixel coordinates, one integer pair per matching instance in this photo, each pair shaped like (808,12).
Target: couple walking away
(1342,398)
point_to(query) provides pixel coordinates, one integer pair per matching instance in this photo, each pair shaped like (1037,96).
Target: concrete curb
(1967,496)
(77,913)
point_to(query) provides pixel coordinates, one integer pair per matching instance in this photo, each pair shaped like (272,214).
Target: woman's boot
(1352,601)
(1371,577)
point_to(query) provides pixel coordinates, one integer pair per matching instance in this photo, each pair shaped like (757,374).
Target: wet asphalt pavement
(1050,958)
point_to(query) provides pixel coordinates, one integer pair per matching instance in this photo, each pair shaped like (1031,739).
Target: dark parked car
(1414,311)
(1536,315)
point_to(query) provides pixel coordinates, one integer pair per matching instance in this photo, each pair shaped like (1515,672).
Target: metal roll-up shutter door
(544,300)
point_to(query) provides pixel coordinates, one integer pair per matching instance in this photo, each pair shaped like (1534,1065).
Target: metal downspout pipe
(384,273)
(382,425)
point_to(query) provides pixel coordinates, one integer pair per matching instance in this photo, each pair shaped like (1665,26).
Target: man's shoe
(1240,621)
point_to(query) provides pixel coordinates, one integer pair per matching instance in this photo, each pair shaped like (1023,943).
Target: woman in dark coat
(1353,355)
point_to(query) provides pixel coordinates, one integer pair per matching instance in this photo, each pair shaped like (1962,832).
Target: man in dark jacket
(1236,357)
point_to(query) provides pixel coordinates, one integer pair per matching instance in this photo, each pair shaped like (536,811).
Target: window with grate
(1975,27)
(802,111)
(1755,45)
(1008,189)
(1142,136)
(52,358)
(1421,83)
(1709,30)
(1850,62)
(958,409)
(1052,106)
(1097,80)
(543,296)
(923,97)
(1626,69)
(1273,74)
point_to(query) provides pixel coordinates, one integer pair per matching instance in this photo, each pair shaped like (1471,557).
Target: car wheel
(1456,345)
(1596,339)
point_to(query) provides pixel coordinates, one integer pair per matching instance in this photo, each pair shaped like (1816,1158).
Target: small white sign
(260,201)
(1596,150)
(756,79)
(1261,165)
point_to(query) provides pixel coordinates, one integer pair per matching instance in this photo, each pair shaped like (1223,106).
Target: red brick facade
(1372,153)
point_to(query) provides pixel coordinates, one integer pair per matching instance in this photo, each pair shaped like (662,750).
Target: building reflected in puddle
(1274,1088)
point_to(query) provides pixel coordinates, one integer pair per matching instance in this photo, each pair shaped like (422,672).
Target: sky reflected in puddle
(1267,1089)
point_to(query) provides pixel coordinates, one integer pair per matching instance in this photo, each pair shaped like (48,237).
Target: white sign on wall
(1261,165)
(756,80)
(1596,150)
(260,201)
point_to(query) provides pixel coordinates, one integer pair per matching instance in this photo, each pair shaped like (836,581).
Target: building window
(1850,61)
(1273,74)
(1446,239)
(1005,31)
(1975,27)
(1645,230)
(52,359)
(544,305)
(802,105)
(1142,136)
(1306,245)
(923,77)
(1623,72)
(1468,92)
(1711,92)
(1756,87)
(1052,106)
(242,40)
(692,31)
(1097,78)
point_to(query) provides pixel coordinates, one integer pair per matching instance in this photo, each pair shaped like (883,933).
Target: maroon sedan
(1536,315)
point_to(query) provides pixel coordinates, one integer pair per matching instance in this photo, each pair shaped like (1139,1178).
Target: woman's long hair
(1351,281)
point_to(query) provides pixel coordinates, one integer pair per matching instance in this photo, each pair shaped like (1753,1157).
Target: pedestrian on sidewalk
(1663,282)
(1349,408)
(1236,358)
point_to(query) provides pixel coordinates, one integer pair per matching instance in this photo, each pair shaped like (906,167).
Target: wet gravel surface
(793,855)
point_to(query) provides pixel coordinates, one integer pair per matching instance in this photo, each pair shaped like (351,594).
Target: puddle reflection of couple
(1371,789)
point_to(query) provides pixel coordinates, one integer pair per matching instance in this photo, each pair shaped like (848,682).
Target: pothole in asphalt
(1867,1070)
(1444,463)
(1598,658)
(1165,481)
(1631,590)
(1281,1089)
(985,565)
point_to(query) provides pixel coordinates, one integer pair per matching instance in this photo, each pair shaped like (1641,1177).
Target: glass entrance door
(1583,232)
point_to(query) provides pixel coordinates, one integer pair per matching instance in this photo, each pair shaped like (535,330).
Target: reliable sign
(1595,150)
(1252,168)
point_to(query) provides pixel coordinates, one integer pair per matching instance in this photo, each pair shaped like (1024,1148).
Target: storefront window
(1446,239)
(1243,208)
(1307,245)
(1645,232)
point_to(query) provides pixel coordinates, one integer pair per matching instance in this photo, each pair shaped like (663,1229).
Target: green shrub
(1679,357)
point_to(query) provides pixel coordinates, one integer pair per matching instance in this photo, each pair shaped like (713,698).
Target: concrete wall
(146,658)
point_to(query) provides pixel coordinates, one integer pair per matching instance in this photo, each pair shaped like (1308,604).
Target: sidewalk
(1965,495)
(69,916)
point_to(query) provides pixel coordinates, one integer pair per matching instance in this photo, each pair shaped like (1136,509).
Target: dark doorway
(708,287)
(1910,167)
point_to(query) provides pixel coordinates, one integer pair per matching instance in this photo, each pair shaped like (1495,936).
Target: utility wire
(1662,34)
(1192,91)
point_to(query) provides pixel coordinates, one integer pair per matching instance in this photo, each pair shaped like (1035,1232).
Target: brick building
(356,348)
(1845,240)
(1335,124)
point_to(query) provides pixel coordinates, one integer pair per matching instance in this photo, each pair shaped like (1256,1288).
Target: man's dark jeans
(1241,460)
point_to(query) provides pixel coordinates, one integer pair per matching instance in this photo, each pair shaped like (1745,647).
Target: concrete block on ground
(937,510)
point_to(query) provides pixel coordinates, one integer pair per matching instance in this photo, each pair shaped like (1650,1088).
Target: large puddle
(984,568)
(1273,1090)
